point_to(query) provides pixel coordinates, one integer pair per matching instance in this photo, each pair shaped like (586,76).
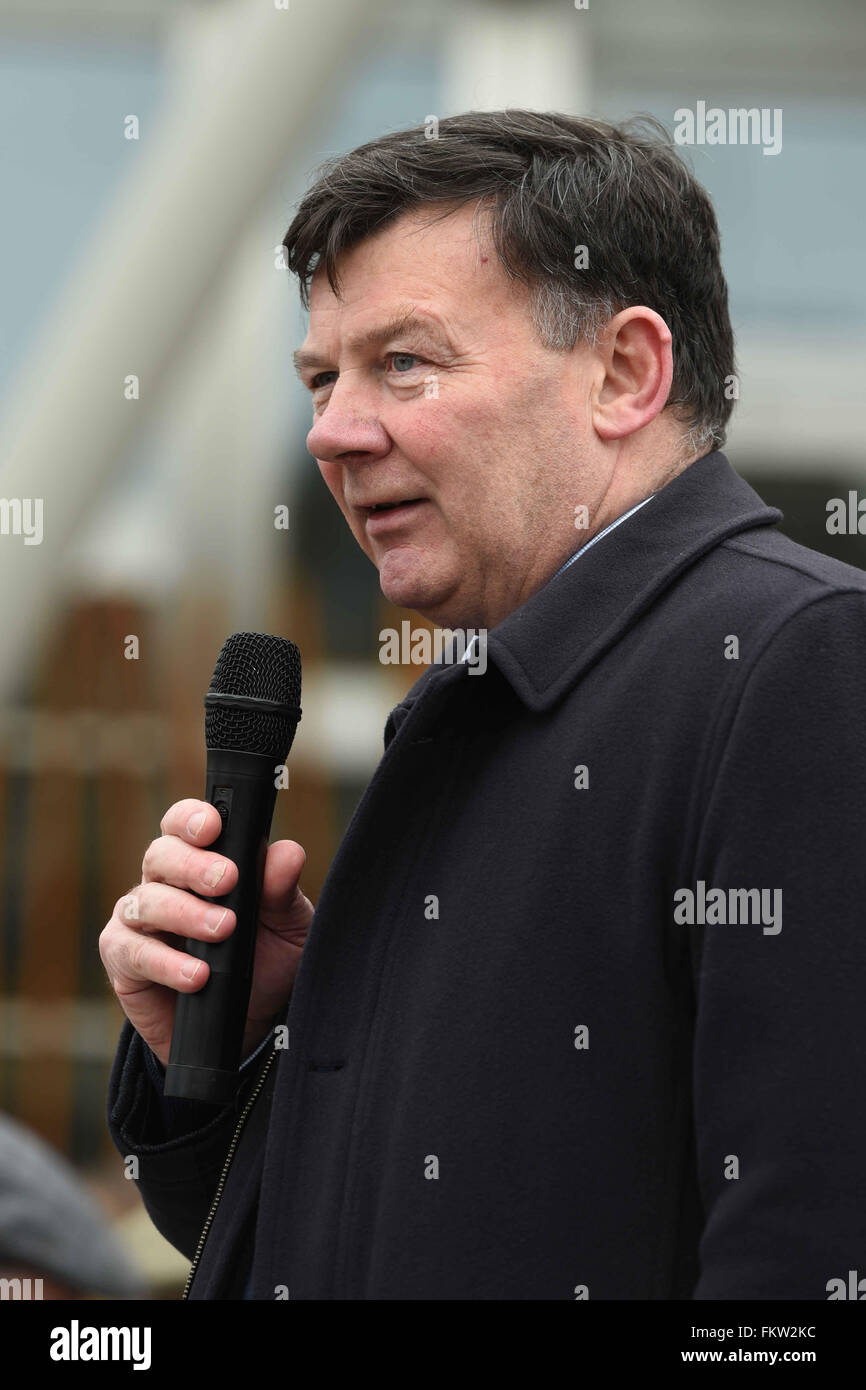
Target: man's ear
(635,357)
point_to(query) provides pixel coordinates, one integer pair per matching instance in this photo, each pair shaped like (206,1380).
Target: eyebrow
(406,322)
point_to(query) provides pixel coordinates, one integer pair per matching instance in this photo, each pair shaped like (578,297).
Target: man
(578,1013)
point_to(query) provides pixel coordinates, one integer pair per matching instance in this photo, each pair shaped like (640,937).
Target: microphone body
(241,783)
(209,1025)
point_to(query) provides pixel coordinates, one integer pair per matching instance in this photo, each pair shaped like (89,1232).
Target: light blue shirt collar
(616,522)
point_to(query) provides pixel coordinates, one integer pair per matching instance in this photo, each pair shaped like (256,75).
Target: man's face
(430,389)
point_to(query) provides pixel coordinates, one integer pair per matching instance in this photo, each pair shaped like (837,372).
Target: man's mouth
(389,506)
(381,516)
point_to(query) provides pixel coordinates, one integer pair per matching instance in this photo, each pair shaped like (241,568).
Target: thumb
(284,907)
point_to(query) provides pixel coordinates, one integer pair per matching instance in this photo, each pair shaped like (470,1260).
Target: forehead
(442,262)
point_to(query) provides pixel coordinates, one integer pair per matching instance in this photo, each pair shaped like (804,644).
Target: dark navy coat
(518,1067)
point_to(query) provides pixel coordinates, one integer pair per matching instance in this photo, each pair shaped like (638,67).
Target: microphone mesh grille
(257,666)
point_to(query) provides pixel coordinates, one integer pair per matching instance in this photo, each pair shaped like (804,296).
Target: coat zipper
(223,1175)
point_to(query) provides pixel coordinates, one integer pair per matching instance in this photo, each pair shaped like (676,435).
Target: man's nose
(345,427)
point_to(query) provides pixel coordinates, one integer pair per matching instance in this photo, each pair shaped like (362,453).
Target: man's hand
(140,945)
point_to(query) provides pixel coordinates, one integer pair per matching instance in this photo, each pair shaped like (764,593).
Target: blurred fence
(88,764)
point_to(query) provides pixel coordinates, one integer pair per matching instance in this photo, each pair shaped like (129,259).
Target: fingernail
(190,971)
(213,919)
(195,823)
(214,874)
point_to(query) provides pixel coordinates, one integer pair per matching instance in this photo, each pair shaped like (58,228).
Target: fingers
(176,857)
(170,860)
(135,961)
(156,906)
(197,822)
(142,944)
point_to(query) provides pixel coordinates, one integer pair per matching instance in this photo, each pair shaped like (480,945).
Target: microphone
(252,710)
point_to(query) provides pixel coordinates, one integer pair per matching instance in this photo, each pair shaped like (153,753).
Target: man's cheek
(360,533)
(441,420)
(332,477)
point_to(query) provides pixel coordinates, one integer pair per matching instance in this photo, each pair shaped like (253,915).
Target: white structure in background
(248,96)
(534,55)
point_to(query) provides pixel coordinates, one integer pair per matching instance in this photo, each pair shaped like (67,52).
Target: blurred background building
(152,154)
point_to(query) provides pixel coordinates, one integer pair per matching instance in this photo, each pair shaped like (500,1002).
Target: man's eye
(402,363)
(318,381)
(397,357)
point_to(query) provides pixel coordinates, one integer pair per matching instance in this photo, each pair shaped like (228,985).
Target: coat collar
(543,647)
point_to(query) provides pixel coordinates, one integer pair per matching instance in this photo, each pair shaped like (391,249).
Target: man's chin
(420,597)
(422,593)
